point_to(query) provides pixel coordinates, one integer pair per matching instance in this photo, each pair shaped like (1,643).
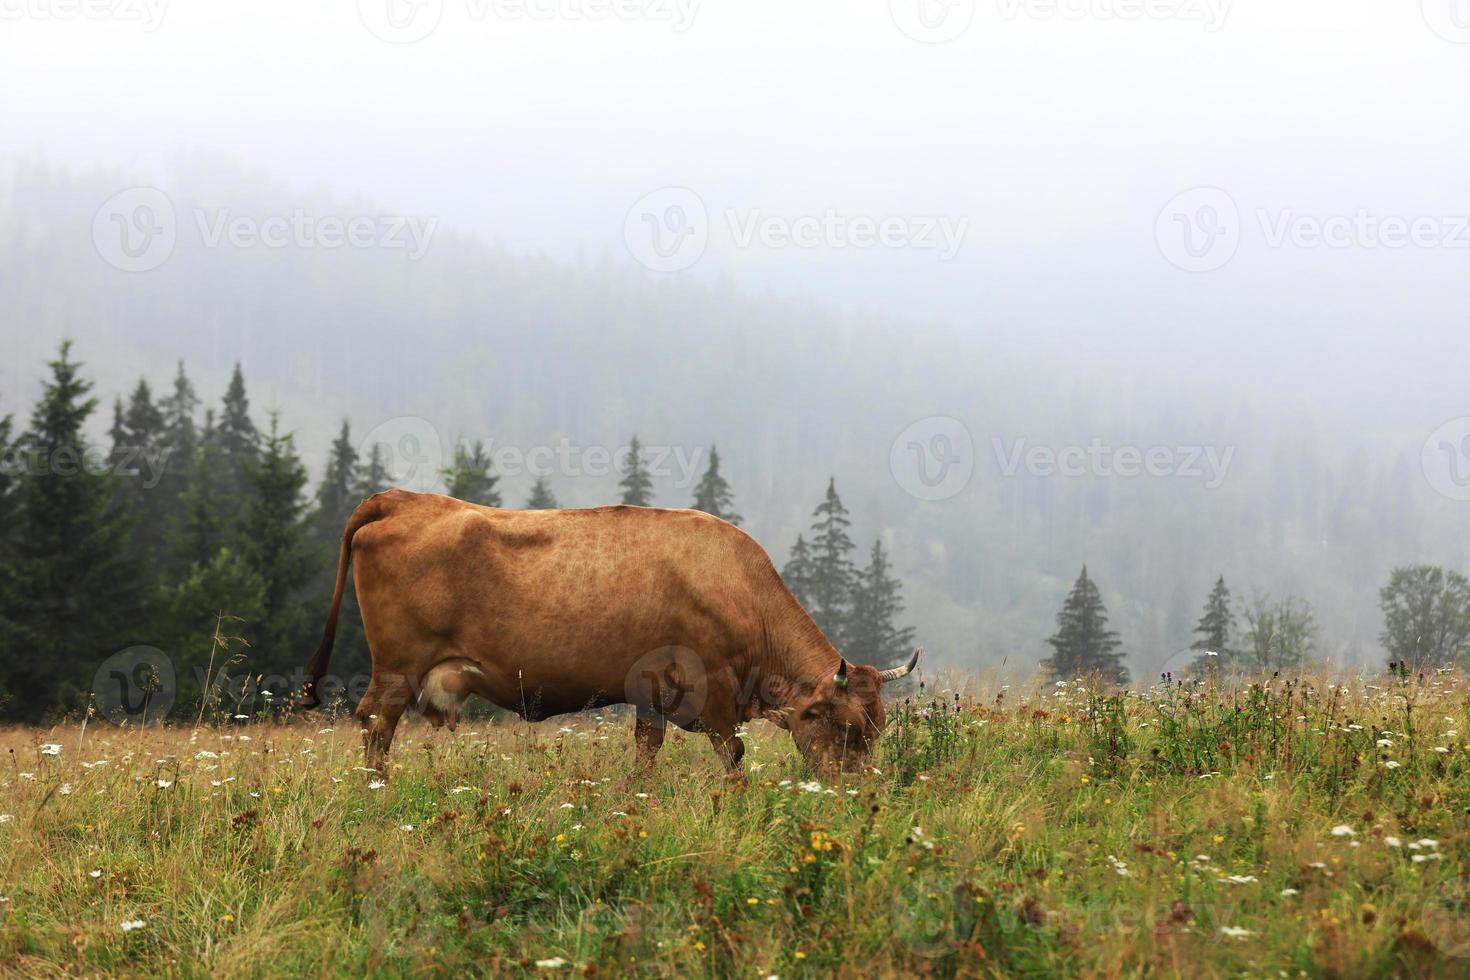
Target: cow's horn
(895,673)
(841,679)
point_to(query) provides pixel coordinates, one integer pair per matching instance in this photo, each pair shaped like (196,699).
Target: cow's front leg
(720,725)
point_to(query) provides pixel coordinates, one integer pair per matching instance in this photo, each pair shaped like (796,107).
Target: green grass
(1042,831)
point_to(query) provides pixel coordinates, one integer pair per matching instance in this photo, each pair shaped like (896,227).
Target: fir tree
(832,569)
(541,496)
(76,598)
(276,547)
(873,635)
(336,495)
(713,494)
(1426,617)
(799,572)
(1082,643)
(469,478)
(636,483)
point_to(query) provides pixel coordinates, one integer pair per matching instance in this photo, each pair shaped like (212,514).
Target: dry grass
(1044,832)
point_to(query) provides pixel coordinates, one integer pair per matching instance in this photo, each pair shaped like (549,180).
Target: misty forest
(224,456)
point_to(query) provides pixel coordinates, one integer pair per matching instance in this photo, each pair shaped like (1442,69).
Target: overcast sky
(1030,160)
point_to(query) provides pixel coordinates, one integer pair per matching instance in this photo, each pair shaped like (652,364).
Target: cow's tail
(368,511)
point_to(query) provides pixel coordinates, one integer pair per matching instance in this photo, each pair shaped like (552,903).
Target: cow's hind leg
(648,738)
(720,725)
(381,706)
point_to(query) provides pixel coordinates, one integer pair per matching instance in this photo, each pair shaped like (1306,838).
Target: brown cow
(545,612)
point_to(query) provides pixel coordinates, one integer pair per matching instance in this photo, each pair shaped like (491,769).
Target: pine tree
(276,547)
(336,495)
(1426,617)
(541,496)
(469,478)
(832,569)
(1083,644)
(799,572)
(76,598)
(873,636)
(713,494)
(636,483)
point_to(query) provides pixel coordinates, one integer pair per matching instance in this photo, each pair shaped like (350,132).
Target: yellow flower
(1219,838)
(800,955)
(227,917)
(1086,780)
(752,901)
(699,946)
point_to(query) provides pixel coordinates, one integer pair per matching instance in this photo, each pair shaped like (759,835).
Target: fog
(797,230)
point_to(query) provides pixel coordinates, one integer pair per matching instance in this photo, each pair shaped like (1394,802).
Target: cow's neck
(798,659)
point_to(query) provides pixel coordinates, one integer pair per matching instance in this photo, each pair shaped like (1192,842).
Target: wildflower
(1235,932)
(554,963)
(95,873)
(1393,842)
(377,784)
(1343,830)
(6,817)
(164,783)
(1240,879)
(51,749)
(1289,892)
(129,925)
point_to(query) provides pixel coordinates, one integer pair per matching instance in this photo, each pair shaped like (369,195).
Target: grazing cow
(545,612)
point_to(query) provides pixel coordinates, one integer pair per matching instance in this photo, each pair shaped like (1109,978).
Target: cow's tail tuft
(369,510)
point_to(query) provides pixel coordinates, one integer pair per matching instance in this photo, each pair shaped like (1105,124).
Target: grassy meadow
(1284,828)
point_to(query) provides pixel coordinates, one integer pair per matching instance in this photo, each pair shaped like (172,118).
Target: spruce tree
(873,635)
(469,478)
(1083,644)
(76,597)
(372,475)
(799,573)
(1213,632)
(541,496)
(336,495)
(179,447)
(137,461)
(636,483)
(713,494)
(832,569)
(276,547)
(204,520)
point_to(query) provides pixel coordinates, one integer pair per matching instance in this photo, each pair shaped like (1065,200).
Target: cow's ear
(780,717)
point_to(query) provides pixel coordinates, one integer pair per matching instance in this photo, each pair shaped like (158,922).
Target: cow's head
(836,723)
